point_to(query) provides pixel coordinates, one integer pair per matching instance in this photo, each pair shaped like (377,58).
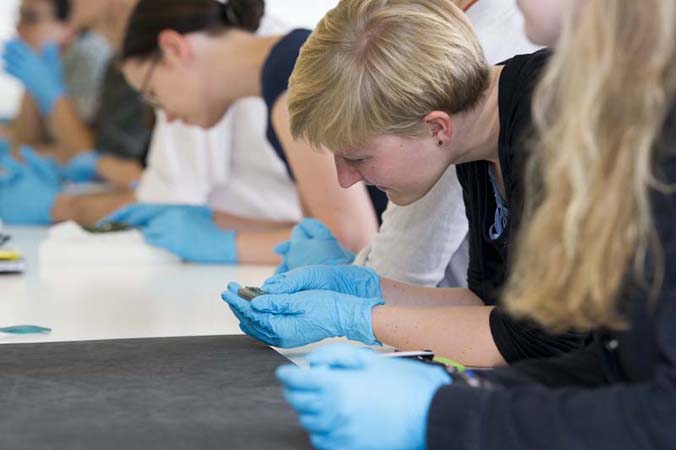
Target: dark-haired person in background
(62,72)
(33,193)
(193,60)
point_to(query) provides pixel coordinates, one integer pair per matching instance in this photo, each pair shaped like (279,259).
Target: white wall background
(293,12)
(9,89)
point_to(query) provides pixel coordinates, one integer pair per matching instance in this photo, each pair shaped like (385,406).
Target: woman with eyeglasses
(193,60)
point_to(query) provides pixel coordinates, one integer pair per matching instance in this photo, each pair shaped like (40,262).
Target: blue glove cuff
(362,320)
(230,238)
(47,101)
(81,168)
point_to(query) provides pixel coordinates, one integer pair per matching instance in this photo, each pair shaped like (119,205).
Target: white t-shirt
(426,243)
(230,167)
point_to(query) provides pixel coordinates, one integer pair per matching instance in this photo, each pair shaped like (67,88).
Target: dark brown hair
(150,17)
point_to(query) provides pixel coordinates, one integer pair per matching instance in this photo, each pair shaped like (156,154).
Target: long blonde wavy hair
(599,112)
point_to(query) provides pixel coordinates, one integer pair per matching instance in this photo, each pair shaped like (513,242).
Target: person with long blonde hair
(597,251)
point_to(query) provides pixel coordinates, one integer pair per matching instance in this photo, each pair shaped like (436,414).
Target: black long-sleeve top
(489,260)
(617,393)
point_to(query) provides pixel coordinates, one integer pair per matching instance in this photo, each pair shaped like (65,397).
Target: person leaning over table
(410,128)
(425,243)
(597,143)
(62,73)
(34,193)
(193,60)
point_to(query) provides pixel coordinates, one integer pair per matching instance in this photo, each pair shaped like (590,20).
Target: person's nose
(347,173)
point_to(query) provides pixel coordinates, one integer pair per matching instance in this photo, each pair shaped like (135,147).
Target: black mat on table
(216,392)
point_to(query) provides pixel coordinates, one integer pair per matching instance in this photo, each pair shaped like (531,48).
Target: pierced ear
(440,125)
(174,47)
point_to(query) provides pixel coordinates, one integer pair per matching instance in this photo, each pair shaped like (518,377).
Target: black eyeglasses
(147,96)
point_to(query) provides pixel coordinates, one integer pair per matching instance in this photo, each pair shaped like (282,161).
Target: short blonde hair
(375,67)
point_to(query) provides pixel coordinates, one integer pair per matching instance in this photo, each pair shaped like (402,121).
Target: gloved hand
(27,191)
(40,74)
(81,168)
(187,231)
(45,167)
(305,317)
(353,398)
(4,146)
(311,244)
(351,280)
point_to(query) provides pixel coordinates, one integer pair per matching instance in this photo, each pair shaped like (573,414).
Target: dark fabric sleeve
(518,339)
(638,416)
(558,405)
(123,126)
(554,405)
(582,367)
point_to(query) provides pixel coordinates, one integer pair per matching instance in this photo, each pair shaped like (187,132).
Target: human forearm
(461,333)
(402,294)
(89,209)
(256,247)
(26,128)
(71,135)
(238,223)
(119,172)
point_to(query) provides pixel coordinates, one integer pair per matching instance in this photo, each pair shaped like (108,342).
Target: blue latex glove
(4,146)
(81,168)
(351,280)
(352,398)
(185,230)
(311,243)
(39,73)
(27,191)
(303,318)
(45,167)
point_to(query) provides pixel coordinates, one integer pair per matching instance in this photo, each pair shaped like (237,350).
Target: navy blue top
(275,81)
(617,393)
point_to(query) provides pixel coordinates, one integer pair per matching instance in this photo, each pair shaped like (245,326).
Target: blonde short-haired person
(400,91)
(425,243)
(598,252)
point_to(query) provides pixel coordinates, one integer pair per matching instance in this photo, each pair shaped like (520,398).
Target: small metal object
(110,227)
(249,293)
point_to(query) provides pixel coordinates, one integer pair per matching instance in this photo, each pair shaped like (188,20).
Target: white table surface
(122,301)
(117,301)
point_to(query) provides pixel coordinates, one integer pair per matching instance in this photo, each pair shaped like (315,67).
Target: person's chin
(400,199)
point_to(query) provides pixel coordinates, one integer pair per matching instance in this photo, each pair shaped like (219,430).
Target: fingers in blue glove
(282,248)
(343,356)
(297,379)
(231,297)
(45,167)
(276,304)
(51,52)
(304,402)
(314,229)
(137,215)
(11,168)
